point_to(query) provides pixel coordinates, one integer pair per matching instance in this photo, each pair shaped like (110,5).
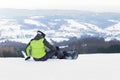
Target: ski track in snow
(86,67)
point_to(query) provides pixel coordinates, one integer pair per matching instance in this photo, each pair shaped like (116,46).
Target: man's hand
(27,58)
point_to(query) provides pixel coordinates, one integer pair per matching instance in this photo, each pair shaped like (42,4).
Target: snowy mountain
(58,25)
(113,32)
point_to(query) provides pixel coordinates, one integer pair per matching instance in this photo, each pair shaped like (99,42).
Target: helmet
(40,33)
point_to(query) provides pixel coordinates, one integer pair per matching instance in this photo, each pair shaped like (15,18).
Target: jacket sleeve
(28,48)
(47,44)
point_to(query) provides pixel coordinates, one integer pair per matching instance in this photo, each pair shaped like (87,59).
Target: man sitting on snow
(37,48)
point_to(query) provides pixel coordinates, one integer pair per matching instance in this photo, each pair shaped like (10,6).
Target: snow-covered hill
(113,32)
(57,25)
(86,67)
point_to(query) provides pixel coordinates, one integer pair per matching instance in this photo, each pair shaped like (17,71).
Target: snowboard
(71,55)
(24,54)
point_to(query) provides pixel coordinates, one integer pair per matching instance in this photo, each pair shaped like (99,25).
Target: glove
(27,58)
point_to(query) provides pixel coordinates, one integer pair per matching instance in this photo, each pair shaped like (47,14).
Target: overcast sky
(90,5)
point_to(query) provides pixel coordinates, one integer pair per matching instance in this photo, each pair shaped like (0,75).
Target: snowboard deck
(24,54)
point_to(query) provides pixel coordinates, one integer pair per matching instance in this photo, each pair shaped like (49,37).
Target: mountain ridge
(58,25)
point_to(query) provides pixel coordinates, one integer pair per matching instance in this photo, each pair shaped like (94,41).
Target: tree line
(11,49)
(89,45)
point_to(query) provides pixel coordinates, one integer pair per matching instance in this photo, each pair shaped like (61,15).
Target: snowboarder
(37,48)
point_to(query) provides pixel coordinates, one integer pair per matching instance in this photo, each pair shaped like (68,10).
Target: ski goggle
(39,33)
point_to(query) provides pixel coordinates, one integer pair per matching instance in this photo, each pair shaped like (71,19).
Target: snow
(37,17)
(115,27)
(114,21)
(86,67)
(34,22)
(113,32)
(60,39)
(72,28)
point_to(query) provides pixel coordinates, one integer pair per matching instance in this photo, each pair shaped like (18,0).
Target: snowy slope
(58,25)
(86,67)
(12,30)
(113,32)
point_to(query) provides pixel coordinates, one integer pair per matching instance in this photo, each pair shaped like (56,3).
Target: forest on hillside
(90,45)
(11,49)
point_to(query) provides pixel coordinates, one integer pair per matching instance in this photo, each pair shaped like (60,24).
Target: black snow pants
(48,55)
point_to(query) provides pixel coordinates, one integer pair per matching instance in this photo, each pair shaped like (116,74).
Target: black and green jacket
(37,47)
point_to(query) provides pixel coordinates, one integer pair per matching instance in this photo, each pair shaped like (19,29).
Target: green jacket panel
(37,48)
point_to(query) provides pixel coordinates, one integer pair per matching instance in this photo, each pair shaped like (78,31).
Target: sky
(87,5)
